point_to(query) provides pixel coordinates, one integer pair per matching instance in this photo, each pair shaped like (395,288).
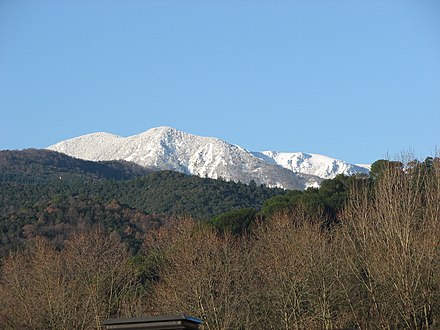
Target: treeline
(376,266)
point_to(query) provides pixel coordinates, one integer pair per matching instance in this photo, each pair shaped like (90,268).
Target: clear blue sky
(356,80)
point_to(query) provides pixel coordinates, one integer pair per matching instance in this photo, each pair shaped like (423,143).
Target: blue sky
(355,80)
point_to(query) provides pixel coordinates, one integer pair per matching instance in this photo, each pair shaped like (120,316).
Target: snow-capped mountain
(313,164)
(165,148)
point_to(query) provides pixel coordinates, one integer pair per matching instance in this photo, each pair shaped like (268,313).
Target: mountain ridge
(166,148)
(314,164)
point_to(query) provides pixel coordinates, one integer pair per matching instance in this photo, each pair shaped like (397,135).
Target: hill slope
(38,165)
(36,176)
(50,194)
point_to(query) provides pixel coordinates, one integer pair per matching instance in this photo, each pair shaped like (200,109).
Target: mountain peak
(163,130)
(166,148)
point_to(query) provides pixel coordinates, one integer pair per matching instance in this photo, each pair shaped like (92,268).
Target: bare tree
(294,263)
(200,276)
(75,288)
(391,240)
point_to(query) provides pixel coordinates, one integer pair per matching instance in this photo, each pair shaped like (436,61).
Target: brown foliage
(391,242)
(378,269)
(75,288)
(200,276)
(294,267)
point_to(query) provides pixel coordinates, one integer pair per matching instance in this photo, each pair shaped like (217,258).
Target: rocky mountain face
(312,164)
(165,148)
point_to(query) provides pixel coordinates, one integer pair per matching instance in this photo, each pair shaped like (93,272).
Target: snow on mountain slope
(366,166)
(166,148)
(312,164)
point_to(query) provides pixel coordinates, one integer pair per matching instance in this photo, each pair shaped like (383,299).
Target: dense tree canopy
(49,194)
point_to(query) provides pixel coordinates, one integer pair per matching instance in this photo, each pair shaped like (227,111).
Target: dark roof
(154,322)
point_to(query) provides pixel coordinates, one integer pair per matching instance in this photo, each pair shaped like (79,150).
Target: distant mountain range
(166,148)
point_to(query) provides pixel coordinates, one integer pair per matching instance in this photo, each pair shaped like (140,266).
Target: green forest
(82,242)
(48,194)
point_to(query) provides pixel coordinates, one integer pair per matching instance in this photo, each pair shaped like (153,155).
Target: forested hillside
(41,165)
(50,194)
(374,265)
